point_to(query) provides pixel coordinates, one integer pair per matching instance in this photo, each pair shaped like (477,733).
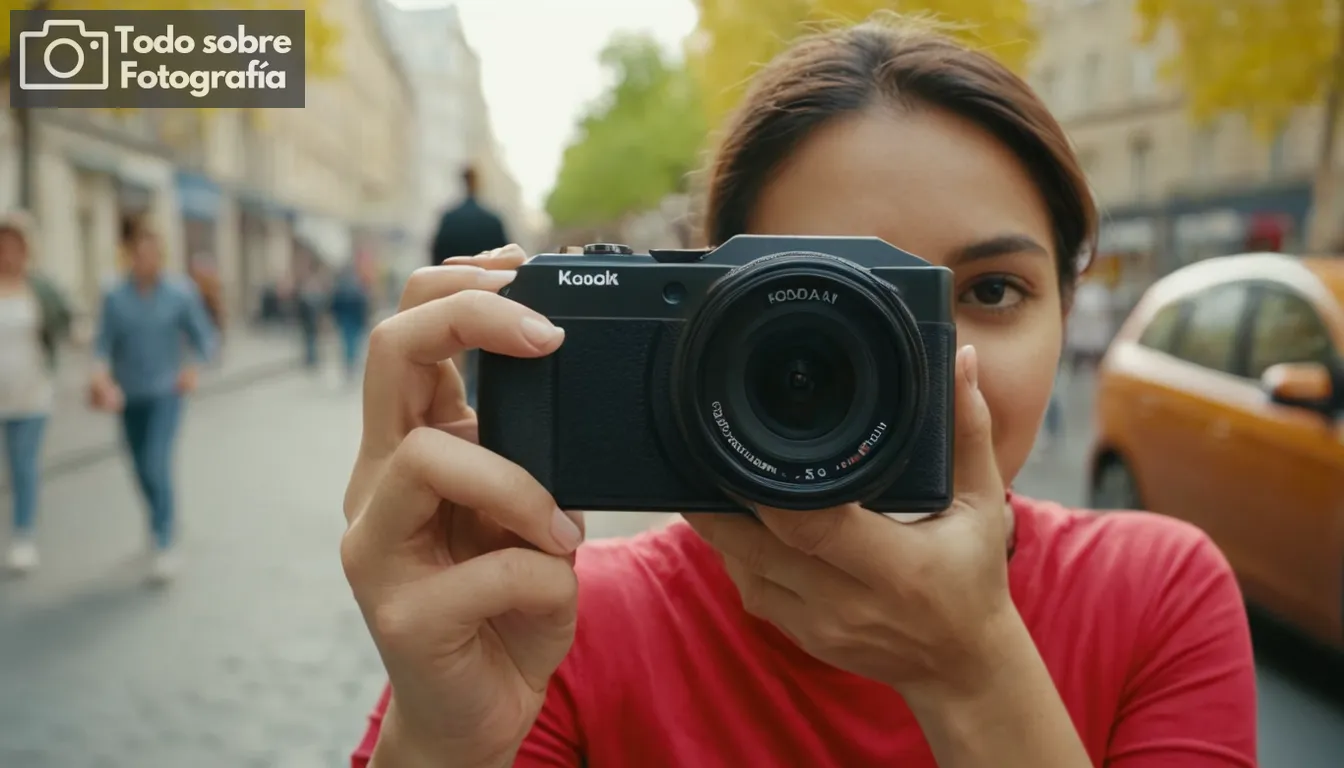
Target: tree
(735,37)
(1263,60)
(320,37)
(636,144)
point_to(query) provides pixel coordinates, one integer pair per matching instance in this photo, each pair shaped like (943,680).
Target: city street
(257,656)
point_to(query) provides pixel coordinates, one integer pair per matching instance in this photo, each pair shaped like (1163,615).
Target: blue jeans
(23,445)
(150,429)
(352,343)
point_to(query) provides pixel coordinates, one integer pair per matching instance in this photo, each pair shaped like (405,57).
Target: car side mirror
(1301,385)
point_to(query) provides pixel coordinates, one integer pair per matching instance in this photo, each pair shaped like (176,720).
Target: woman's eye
(993,293)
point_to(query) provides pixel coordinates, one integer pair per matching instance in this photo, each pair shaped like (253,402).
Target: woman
(1004,632)
(148,319)
(34,320)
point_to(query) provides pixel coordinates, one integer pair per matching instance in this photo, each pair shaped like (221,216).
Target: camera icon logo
(64,56)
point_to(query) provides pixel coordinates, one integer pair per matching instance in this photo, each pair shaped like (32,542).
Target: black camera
(792,372)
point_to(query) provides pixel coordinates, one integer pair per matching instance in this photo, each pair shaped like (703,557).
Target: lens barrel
(800,382)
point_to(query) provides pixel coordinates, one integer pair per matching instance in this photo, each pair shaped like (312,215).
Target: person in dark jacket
(466,230)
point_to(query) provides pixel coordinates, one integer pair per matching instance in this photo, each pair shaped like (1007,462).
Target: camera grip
(516,412)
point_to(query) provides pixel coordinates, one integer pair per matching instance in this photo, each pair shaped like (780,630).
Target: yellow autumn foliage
(1261,59)
(735,37)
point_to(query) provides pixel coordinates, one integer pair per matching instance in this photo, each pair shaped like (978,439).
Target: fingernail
(495,278)
(540,332)
(566,533)
(972,367)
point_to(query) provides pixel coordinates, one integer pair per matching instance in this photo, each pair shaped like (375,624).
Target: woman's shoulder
(1137,570)
(1110,543)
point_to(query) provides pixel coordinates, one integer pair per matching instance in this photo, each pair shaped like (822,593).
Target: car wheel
(1114,487)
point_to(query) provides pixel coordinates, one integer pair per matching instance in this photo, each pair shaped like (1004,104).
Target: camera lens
(800,382)
(800,385)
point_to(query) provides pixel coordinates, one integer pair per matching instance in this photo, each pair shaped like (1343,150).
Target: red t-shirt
(1138,618)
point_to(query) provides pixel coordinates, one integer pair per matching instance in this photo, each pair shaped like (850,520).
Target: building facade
(1171,191)
(452,128)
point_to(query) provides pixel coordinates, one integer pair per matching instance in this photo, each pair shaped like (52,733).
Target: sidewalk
(77,435)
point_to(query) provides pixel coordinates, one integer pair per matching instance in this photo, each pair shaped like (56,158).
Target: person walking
(311,296)
(1090,327)
(34,320)
(140,371)
(466,230)
(350,310)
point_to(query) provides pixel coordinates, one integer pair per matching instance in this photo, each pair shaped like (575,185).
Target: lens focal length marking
(800,474)
(726,429)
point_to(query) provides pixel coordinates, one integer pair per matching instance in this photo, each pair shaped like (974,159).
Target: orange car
(1221,402)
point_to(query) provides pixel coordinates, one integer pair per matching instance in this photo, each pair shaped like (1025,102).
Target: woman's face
(940,187)
(13,254)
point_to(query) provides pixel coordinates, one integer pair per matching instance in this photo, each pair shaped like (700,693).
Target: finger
(404,352)
(850,538)
(510,256)
(431,465)
(766,599)
(449,607)
(975,469)
(753,545)
(429,283)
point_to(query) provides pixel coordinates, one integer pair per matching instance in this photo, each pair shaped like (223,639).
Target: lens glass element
(800,384)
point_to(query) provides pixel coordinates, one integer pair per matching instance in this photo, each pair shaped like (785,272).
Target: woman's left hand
(920,607)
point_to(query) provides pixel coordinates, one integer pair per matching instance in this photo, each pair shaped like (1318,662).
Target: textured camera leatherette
(927,480)
(582,421)
(516,410)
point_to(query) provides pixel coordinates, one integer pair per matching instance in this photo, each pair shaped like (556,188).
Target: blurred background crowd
(1206,129)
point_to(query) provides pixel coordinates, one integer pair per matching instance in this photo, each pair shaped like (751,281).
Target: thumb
(975,469)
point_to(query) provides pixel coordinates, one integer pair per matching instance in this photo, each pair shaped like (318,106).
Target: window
(1140,149)
(1091,79)
(1144,72)
(1210,336)
(1203,153)
(1278,154)
(1287,330)
(1045,85)
(1162,330)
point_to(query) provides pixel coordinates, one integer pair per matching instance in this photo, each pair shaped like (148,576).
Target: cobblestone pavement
(257,655)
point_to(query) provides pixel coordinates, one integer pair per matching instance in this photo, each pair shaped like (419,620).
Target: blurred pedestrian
(1090,327)
(466,230)
(311,296)
(140,371)
(351,310)
(34,320)
(1054,420)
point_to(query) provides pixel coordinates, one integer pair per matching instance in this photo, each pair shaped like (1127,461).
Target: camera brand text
(802,294)
(589,278)
(716,410)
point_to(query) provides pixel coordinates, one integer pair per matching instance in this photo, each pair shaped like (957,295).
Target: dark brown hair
(844,72)
(133,227)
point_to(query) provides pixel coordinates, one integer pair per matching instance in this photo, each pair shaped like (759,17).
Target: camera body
(792,372)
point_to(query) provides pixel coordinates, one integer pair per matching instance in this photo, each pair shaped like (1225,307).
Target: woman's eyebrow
(1001,245)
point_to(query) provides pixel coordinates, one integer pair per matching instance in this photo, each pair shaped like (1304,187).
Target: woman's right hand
(459,559)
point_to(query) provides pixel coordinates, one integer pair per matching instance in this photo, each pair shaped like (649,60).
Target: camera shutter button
(607,249)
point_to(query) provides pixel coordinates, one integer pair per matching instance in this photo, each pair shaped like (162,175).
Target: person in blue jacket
(153,334)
